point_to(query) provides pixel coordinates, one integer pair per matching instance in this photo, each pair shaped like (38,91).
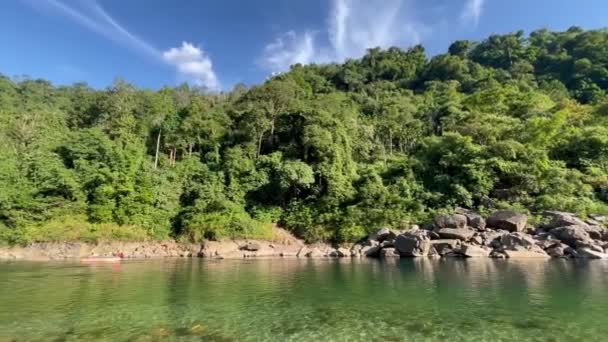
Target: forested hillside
(329,152)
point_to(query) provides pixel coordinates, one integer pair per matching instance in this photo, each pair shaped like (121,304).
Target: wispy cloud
(290,48)
(352,27)
(472,11)
(188,60)
(192,62)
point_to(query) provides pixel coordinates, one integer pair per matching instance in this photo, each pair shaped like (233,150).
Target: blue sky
(218,43)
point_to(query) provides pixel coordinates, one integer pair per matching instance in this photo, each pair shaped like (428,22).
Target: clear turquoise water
(305,300)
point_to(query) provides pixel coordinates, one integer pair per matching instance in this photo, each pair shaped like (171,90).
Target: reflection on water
(291,299)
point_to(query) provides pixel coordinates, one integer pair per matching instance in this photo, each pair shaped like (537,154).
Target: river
(305,300)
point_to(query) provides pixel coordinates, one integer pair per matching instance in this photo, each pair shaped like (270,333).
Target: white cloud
(289,49)
(353,27)
(193,63)
(187,59)
(472,11)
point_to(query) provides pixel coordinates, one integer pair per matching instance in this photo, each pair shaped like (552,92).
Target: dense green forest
(329,152)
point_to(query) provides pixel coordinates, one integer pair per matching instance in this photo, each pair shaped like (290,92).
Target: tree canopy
(329,152)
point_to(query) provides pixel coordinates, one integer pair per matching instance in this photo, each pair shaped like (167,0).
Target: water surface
(305,300)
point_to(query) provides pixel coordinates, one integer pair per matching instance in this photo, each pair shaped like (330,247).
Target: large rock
(463,234)
(591,254)
(492,238)
(450,221)
(445,246)
(589,244)
(472,251)
(546,240)
(538,254)
(517,241)
(409,245)
(595,232)
(474,220)
(507,220)
(571,234)
(562,219)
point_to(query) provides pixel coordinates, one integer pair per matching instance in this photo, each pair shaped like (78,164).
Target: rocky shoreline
(505,234)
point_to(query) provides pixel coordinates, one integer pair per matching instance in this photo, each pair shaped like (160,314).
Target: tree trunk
(390,141)
(259,145)
(272,132)
(157,148)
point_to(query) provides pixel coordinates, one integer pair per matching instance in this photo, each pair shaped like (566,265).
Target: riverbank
(505,234)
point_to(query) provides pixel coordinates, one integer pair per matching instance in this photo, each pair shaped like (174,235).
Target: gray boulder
(450,221)
(571,234)
(562,219)
(445,246)
(590,245)
(595,232)
(517,241)
(370,251)
(507,220)
(411,245)
(463,234)
(474,220)
(557,251)
(492,238)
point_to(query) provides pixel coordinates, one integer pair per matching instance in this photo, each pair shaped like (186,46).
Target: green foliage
(330,152)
